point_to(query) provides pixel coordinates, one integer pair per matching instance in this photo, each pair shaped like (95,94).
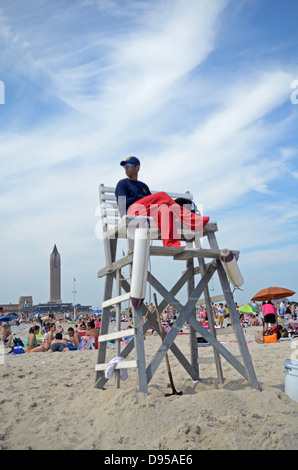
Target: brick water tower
(55,276)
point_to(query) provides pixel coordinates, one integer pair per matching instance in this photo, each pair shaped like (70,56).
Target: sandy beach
(48,401)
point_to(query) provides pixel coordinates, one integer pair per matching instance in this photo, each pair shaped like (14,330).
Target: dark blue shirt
(132,190)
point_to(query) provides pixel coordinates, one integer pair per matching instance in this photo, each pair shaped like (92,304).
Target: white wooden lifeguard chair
(114,228)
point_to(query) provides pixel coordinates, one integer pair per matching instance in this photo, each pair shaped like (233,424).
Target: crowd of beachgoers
(48,333)
(52,332)
(250,315)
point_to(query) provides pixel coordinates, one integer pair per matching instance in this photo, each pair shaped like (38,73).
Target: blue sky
(199,90)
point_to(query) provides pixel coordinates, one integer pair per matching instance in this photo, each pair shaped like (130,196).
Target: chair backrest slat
(109,209)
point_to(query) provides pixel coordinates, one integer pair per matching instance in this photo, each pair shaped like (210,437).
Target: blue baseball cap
(132,160)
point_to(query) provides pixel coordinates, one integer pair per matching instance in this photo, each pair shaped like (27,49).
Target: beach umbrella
(273,293)
(248,309)
(36,313)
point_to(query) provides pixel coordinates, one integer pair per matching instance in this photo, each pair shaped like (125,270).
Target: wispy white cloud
(230,152)
(280,256)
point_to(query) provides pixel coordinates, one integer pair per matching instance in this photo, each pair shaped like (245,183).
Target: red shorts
(162,208)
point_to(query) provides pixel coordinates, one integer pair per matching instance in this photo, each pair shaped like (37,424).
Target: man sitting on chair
(135,198)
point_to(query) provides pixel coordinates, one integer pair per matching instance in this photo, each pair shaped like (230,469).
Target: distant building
(25,302)
(25,305)
(55,303)
(60,307)
(55,276)
(49,307)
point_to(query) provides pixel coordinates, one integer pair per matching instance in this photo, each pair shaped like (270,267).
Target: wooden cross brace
(185,315)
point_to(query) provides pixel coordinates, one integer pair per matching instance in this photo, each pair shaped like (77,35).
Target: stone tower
(55,276)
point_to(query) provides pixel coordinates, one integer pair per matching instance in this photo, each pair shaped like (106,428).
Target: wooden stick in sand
(162,333)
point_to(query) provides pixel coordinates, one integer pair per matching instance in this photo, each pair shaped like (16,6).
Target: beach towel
(111,369)
(87,343)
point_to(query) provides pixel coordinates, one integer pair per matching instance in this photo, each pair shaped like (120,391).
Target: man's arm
(76,340)
(127,192)
(121,196)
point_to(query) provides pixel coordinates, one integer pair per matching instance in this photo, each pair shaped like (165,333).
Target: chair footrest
(119,365)
(116,335)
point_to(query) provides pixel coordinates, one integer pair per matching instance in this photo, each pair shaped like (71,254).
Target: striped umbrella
(272,293)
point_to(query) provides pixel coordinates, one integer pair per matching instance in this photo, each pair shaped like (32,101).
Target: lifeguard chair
(209,261)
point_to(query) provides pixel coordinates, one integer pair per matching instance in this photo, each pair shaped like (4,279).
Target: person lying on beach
(5,334)
(47,341)
(58,344)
